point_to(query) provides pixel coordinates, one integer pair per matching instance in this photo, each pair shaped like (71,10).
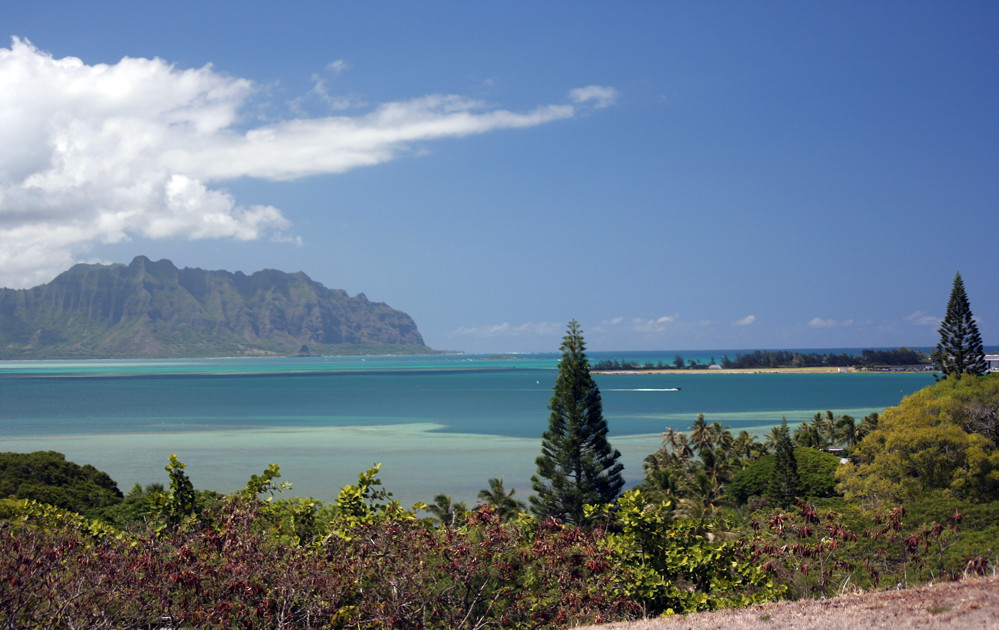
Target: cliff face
(153,309)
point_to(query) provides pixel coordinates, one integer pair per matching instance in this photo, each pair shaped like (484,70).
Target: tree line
(770,359)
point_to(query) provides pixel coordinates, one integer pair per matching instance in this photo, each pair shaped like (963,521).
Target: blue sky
(674,175)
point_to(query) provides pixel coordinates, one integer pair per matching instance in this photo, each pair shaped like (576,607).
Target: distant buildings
(992,361)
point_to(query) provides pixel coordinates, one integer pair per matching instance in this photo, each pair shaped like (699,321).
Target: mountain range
(152,309)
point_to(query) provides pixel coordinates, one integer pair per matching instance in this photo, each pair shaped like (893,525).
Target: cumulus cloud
(818,322)
(107,152)
(745,321)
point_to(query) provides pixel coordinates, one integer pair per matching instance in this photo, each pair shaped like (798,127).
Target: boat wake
(647,389)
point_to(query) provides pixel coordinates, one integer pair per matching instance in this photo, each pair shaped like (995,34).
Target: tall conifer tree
(785,484)
(577,465)
(960,349)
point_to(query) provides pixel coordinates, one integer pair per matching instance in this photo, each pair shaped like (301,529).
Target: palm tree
(722,437)
(684,451)
(830,430)
(700,434)
(774,436)
(445,511)
(868,424)
(809,434)
(704,496)
(846,431)
(671,438)
(500,500)
(747,447)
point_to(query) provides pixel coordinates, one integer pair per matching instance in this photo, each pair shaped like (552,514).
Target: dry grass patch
(969,604)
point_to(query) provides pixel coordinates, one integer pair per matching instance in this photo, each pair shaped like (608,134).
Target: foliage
(253,559)
(151,308)
(816,473)
(231,567)
(761,359)
(692,470)
(960,349)
(830,431)
(676,565)
(497,498)
(447,512)
(577,465)
(822,553)
(46,477)
(924,443)
(785,484)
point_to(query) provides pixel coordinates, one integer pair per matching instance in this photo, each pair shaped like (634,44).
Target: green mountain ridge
(150,309)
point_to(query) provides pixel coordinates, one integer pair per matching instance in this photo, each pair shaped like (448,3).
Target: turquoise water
(443,423)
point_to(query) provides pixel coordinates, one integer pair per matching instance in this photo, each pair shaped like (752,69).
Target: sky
(673,175)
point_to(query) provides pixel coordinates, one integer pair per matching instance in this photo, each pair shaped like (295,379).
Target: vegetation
(826,432)
(153,309)
(784,485)
(46,477)
(816,476)
(577,465)
(960,349)
(759,360)
(501,501)
(940,438)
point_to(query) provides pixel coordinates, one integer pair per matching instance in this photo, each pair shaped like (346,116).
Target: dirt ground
(969,605)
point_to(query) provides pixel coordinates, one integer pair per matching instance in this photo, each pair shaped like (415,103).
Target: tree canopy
(960,349)
(577,465)
(47,477)
(940,438)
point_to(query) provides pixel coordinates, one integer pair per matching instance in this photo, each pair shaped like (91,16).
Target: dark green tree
(785,485)
(47,477)
(960,349)
(448,512)
(577,465)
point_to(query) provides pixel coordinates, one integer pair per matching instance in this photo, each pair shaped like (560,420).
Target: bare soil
(969,605)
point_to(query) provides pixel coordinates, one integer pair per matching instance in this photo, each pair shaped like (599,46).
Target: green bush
(816,472)
(46,477)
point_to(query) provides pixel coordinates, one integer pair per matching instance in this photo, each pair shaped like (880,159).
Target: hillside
(153,309)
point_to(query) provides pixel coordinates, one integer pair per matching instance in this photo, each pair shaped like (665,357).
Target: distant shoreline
(803,370)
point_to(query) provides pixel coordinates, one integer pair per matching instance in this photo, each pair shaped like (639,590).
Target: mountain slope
(153,309)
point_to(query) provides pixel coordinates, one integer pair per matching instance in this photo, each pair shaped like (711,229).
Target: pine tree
(960,349)
(785,483)
(577,465)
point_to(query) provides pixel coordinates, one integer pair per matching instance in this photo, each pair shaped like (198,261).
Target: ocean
(437,424)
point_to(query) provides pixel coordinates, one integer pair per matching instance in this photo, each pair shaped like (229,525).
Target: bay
(439,423)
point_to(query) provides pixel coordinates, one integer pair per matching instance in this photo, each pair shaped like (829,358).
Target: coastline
(783,370)
(804,370)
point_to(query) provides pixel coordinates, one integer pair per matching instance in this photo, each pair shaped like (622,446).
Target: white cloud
(818,322)
(337,67)
(745,321)
(658,324)
(601,96)
(920,318)
(103,153)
